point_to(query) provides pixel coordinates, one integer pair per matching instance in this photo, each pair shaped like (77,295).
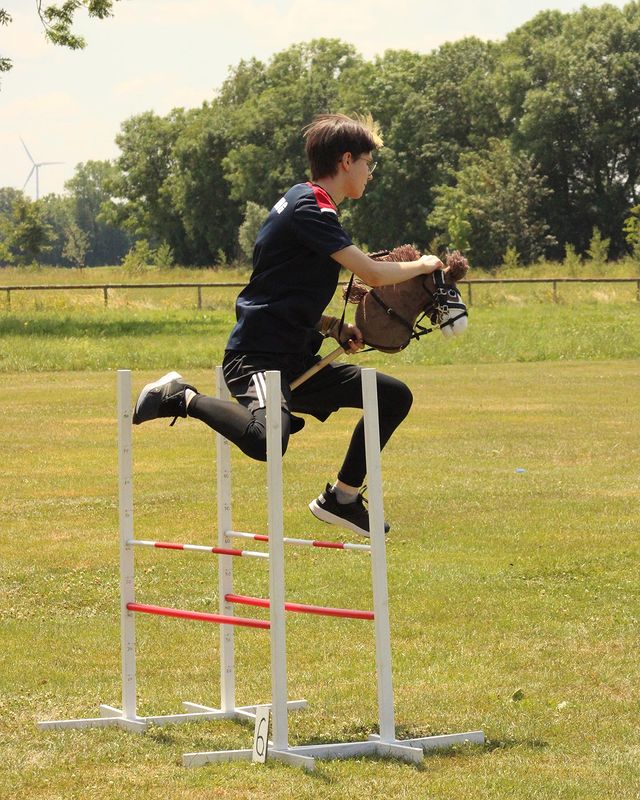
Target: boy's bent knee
(394,396)
(254,443)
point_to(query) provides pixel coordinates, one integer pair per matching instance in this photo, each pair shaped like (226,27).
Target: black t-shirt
(294,276)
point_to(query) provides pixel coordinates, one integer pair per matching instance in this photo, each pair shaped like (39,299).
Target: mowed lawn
(512,490)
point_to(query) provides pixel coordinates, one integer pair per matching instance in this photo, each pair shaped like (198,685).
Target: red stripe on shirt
(323,198)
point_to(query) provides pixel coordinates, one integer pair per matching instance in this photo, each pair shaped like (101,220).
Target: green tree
(163,257)
(90,192)
(570,85)
(598,250)
(76,246)
(432,108)
(267,152)
(186,178)
(29,235)
(139,257)
(632,230)
(389,212)
(564,89)
(57,212)
(8,198)
(143,203)
(500,196)
(197,188)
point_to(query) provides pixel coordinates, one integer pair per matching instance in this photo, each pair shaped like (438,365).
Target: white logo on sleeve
(281,205)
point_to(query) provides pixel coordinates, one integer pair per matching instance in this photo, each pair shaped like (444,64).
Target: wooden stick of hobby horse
(317,367)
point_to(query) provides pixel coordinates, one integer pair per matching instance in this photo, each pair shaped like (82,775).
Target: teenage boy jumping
(280,322)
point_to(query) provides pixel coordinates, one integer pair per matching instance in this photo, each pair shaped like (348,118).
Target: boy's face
(358,171)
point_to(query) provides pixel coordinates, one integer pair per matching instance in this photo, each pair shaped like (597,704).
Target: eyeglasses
(371,166)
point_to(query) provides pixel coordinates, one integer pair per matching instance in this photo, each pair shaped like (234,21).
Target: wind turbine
(36,168)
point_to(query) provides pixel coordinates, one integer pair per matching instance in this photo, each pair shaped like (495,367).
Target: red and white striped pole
(260,537)
(197,548)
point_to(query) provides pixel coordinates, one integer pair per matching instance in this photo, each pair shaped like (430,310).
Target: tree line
(527,147)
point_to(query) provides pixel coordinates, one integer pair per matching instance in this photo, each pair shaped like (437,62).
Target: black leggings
(336,386)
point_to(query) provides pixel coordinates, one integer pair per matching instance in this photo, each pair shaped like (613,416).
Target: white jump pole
(280,706)
(126,717)
(225,563)
(276,563)
(378,557)
(127,572)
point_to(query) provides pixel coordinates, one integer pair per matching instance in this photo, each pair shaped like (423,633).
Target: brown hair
(329,136)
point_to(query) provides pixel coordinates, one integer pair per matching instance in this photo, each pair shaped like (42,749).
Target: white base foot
(410,750)
(110,716)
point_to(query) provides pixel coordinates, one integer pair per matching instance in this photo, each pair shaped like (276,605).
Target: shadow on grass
(206,739)
(101,327)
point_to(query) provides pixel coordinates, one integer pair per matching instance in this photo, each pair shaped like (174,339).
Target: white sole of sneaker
(170,376)
(326,516)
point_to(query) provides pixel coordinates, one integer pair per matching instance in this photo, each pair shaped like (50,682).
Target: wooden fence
(105,288)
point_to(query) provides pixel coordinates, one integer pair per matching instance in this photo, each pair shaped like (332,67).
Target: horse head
(389,317)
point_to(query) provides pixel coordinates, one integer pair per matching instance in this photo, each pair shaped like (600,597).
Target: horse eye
(453,293)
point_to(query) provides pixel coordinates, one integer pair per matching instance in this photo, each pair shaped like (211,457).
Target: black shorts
(335,386)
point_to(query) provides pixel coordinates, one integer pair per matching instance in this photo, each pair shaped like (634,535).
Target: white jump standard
(386,743)
(127,717)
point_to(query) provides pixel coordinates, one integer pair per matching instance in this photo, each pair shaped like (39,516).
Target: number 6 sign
(261,734)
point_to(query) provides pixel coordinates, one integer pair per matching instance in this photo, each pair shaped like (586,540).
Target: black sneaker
(353,516)
(163,398)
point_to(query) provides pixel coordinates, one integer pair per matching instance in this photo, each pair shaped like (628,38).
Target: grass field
(514,596)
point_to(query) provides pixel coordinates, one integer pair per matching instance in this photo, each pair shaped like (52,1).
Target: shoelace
(363,500)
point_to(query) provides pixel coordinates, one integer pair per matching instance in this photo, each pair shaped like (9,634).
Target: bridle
(444,300)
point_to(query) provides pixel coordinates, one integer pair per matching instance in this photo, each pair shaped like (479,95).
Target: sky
(155,55)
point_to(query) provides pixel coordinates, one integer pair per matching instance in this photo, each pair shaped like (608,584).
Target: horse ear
(457,266)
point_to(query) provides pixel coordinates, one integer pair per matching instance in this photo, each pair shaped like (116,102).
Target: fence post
(105,292)
(470,295)
(199,296)
(9,296)
(638,291)
(555,292)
